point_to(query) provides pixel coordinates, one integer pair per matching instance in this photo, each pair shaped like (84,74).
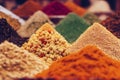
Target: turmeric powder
(90,63)
(75,8)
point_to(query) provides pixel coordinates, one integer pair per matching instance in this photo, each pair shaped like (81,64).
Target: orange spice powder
(75,8)
(90,63)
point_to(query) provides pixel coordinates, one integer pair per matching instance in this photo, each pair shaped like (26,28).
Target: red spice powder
(75,8)
(56,8)
(90,63)
(27,9)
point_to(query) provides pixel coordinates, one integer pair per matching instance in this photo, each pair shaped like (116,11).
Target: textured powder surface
(71,27)
(8,33)
(90,18)
(33,23)
(12,21)
(17,63)
(75,8)
(27,9)
(100,36)
(47,44)
(113,24)
(56,8)
(90,63)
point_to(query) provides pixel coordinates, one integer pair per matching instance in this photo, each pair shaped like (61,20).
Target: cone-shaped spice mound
(17,63)
(27,9)
(113,24)
(47,43)
(100,36)
(8,33)
(33,23)
(71,27)
(13,22)
(90,18)
(56,8)
(90,63)
(75,8)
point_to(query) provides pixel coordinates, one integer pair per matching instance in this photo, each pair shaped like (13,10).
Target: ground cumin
(113,24)
(75,8)
(56,8)
(27,9)
(89,63)
(12,21)
(98,35)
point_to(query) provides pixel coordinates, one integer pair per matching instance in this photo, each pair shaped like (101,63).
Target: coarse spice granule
(8,33)
(113,24)
(33,23)
(89,63)
(98,35)
(16,62)
(13,22)
(71,27)
(47,43)
(56,8)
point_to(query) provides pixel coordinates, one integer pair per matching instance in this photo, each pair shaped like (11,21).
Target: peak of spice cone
(47,43)
(71,27)
(89,63)
(100,36)
(56,8)
(27,9)
(33,23)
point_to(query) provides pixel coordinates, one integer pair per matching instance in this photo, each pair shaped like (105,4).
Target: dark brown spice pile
(113,24)
(8,33)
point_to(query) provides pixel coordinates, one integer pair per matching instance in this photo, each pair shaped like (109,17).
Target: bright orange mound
(90,63)
(75,8)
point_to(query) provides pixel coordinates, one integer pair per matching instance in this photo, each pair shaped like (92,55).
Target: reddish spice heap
(90,63)
(75,8)
(56,8)
(27,9)
(113,24)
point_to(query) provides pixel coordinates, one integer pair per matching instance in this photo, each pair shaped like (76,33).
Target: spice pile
(27,9)
(71,27)
(90,63)
(100,36)
(113,24)
(56,8)
(11,14)
(90,18)
(13,22)
(33,23)
(75,8)
(8,33)
(47,44)
(16,62)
